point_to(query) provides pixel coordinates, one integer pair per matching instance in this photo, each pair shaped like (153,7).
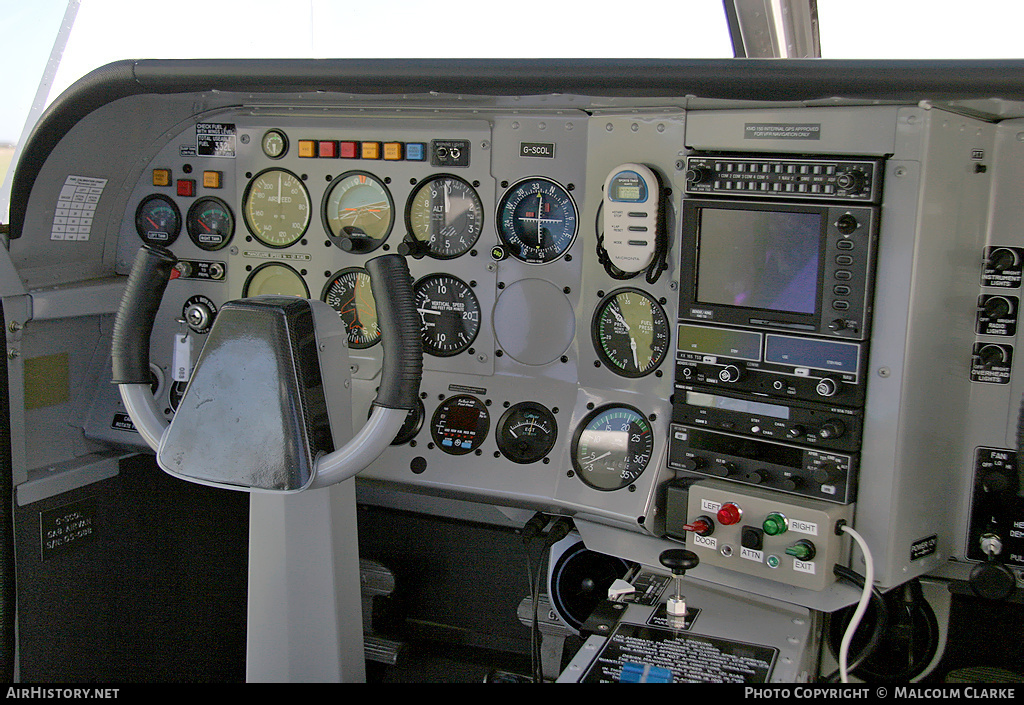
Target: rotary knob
(827,387)
(730,373)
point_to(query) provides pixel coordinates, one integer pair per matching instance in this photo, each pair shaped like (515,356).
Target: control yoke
(257,412)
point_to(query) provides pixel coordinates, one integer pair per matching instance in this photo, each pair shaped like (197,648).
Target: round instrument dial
(349,293)
(274,144)
(612,447)
(158,220)
(445,214)
(358,212)
(526,432)
(210,224)
(460,424)
(449,314)
(276,207)
(630,332)
(537,220)
(275,279)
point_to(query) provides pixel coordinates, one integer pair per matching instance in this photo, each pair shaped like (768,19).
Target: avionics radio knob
(846,224)
(827,387)
(698,175)
(833,428)
(730,373)
(850,180)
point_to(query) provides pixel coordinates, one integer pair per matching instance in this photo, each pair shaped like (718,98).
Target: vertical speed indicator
(449,314)
(612,447)
(537,220)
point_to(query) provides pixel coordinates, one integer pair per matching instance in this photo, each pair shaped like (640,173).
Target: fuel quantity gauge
(157,220)
(210,224)
(526,432)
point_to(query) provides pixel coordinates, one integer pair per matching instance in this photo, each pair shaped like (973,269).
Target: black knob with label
(847,224)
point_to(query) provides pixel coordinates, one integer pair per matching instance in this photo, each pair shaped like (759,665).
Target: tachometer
(349,293)
(630,332)
(275,279)
(449,314)
(445,214)
(537,220)
(276,207)
(358,212)
(612,447)
(526,432)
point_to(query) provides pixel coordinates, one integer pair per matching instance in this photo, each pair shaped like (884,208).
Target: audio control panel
(729,175)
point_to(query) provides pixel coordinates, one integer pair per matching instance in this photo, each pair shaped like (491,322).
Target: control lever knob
(678,560)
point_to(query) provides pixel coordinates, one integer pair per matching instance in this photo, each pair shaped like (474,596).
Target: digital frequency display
(759,259)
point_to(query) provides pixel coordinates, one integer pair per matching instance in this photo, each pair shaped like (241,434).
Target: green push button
(775,524)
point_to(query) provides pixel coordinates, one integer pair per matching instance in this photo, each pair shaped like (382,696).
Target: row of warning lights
(388,151)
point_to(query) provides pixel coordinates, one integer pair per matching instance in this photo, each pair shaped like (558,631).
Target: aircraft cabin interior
(508,370)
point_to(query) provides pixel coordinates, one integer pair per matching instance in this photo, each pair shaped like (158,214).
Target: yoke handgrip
(399,323)
(136,315)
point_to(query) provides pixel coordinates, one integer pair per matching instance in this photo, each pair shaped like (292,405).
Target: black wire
(880,626)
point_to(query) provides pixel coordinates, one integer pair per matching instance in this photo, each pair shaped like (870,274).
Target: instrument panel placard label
(68,527)
(215,140)
(781,131)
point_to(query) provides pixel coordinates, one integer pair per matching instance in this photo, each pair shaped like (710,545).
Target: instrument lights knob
(729,514)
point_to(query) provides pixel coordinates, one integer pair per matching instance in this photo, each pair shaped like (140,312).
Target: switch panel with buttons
(766,534)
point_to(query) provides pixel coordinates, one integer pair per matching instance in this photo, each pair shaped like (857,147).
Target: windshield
(61,40)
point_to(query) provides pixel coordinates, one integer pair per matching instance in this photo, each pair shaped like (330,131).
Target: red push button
(729,514)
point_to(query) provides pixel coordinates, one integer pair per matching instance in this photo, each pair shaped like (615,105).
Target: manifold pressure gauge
(630,332)
(612,447)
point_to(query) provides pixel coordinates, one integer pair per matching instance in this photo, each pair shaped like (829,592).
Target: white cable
(862,606)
